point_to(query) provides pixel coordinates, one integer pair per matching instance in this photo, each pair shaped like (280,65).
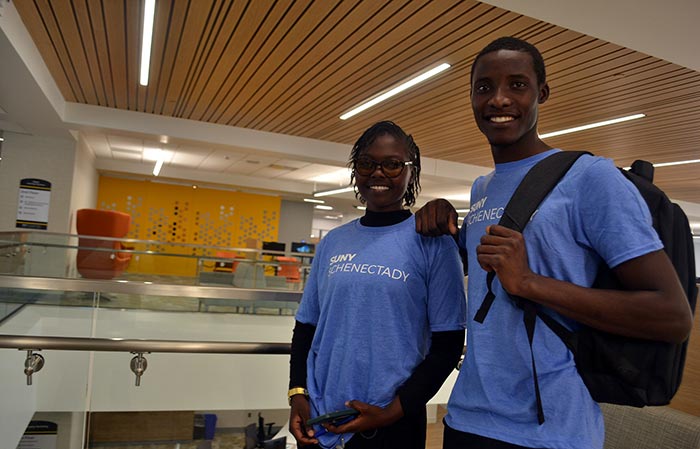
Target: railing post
(32,364)
(138,366)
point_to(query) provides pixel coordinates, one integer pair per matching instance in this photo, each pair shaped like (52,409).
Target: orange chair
(102,264)
(227,267)
(289,268)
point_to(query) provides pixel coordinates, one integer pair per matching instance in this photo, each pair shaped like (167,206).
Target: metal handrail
(37,343)
(35,362)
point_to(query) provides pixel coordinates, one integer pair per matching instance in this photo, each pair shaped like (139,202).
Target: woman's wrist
(394,410)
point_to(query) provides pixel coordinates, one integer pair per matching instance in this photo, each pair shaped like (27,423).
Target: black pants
(407,433)
(454,439)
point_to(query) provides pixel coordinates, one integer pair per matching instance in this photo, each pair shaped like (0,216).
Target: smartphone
(334,417)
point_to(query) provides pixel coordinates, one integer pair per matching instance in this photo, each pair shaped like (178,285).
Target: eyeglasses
(390,167)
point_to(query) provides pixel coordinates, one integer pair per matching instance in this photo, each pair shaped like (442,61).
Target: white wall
(18,400)
(51,159)
(667,30)
(295,222)
(321,226)
(85,181)
(71,427)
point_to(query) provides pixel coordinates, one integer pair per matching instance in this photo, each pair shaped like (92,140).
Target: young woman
(381,322)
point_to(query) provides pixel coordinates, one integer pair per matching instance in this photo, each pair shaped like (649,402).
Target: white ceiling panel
(98,144)
(292,164)
(271,171)
(251,164)
(311,171)
(186,159)
(126,155)
(124,143)
(220,160)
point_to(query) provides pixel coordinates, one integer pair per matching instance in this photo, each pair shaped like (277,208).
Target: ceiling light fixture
(395,90)
(311,200)
(592,125)
(361,207)
(149,9)
(462,211)
(334,191)
(322,207)
(159,165)
(670,164)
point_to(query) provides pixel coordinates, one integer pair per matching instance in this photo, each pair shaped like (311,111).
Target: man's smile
(501,118)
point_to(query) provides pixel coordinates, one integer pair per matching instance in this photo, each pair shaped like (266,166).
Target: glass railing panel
(58,393)
(107,296)
(85,257)
(72,383)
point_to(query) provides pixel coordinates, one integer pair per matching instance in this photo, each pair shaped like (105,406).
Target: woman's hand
(299,414)
(370,417)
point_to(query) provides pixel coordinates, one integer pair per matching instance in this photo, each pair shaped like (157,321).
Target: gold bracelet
(294,391)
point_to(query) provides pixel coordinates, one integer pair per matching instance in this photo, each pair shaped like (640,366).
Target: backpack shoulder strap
(536,185)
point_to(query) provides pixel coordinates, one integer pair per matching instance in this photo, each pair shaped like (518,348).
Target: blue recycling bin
(209,426)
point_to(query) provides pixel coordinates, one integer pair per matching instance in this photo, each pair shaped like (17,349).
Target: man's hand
(370,417)
(503,250)
(437,217)
(300,413)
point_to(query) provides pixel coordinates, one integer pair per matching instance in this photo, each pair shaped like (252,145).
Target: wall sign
(33,204)
(39,435)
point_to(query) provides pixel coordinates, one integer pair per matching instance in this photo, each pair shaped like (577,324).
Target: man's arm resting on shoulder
(437,217)
(650,305)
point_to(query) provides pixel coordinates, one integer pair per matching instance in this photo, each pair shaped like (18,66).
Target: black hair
(513,43)
(367,139)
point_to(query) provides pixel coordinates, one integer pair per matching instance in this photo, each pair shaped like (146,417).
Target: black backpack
(616,369)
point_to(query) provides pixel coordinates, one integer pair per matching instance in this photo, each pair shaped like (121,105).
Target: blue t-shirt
(594,214)
(375,294)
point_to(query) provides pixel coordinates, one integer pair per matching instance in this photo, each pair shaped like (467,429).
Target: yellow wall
(172,213)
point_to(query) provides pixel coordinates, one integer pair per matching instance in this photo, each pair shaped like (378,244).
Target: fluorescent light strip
(149,10)
(311,200)
(400,88)
(462,211)
(361,207)
(592,125)
(322,207)
(670,164)
(159,165)
(335,191)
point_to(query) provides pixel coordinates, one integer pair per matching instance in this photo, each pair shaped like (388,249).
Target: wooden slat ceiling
(294,67)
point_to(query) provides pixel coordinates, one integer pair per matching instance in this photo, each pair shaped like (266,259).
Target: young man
(593,216)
